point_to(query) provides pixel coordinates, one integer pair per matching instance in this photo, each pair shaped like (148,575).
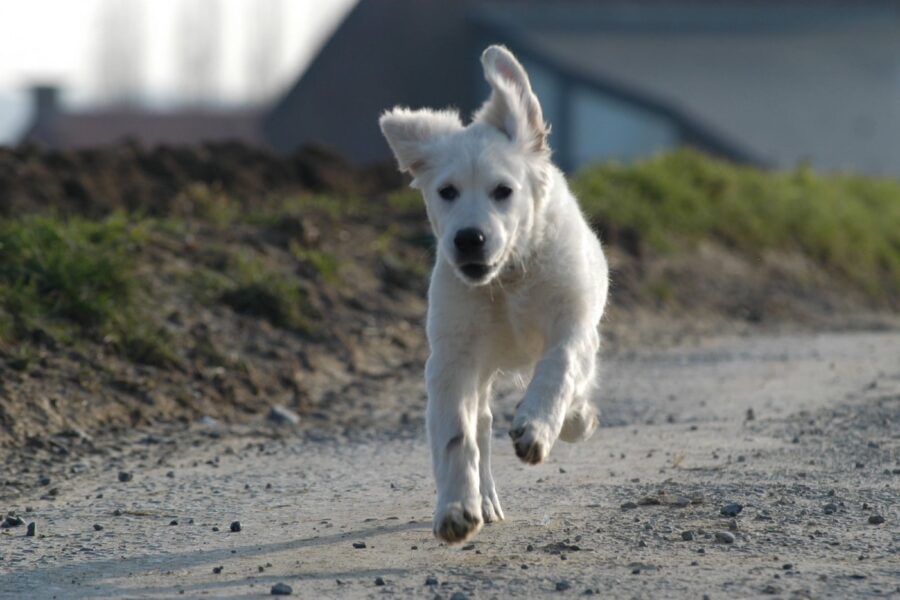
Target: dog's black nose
(469,241)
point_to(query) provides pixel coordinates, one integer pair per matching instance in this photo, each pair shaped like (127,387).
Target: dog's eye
(448,193)
(501,192)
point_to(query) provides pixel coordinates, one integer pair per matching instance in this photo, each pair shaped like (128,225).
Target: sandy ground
(802,430)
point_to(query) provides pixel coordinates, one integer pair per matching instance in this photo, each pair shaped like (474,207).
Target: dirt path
(803,431)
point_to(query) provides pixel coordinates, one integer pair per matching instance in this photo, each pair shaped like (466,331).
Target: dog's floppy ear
(512,108)
(408,133)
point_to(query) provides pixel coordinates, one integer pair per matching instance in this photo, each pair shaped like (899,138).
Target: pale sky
(64,41)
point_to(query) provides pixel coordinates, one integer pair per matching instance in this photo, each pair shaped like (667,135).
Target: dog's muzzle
(469,243)
(475,271)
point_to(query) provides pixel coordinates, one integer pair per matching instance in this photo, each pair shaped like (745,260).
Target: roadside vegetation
(150,292)
(847,224)
(65,279)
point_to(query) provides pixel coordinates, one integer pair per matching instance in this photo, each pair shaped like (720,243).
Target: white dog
(520,283)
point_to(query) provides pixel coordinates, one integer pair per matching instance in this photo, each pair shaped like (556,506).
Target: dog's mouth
(475,272)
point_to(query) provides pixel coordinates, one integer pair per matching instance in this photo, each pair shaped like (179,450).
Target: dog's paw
(532,441)
(456,524)
(580,424)
(490,508)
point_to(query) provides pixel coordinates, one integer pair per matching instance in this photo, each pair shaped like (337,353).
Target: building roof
(386,52)
(72,130)
(785,83)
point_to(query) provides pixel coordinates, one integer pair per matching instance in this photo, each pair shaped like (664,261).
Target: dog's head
(483,183)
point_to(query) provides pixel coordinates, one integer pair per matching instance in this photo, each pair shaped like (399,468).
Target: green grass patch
(142,341)
(206,202)
(74,270)
(324,264)
(406,200)
(271,211)
(848,224)
(255,289)
(74,278)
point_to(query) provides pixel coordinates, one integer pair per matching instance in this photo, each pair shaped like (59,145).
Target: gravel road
(801,431)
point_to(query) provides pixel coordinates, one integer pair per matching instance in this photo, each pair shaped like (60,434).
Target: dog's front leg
(452,420)
(563,369)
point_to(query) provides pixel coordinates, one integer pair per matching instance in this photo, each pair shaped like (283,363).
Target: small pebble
(787,566)
(173,522)
(218,569)
(125,476)
(98,527)
(563,585)
(724,537)
(235,526)
(459,596)
(170,474)
(431,580)
(359,545)
(282,416)
(731,510)
(876,520)
(629,506)
(30,531)
(281,589)
(13,521)
(687,535)
(379,581)
(830,508)
(732,525)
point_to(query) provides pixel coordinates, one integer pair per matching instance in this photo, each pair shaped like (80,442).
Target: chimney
(46,113)
(46,102)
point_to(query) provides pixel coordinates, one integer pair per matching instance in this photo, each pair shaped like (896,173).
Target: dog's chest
(518,333)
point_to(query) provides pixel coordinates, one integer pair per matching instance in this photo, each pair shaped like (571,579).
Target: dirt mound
(258,281)
(127,176)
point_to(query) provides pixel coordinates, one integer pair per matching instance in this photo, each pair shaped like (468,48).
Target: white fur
(538,307)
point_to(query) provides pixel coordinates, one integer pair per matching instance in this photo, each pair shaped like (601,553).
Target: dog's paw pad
(529,445)
(457,524)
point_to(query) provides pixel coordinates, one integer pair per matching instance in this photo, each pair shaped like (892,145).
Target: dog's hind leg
(581,420)
(490,503)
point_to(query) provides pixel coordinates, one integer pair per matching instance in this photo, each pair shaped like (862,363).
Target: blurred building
(756,81)
(53,127)
(768,83)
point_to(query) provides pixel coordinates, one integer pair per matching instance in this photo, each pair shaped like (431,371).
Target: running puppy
(519,284)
